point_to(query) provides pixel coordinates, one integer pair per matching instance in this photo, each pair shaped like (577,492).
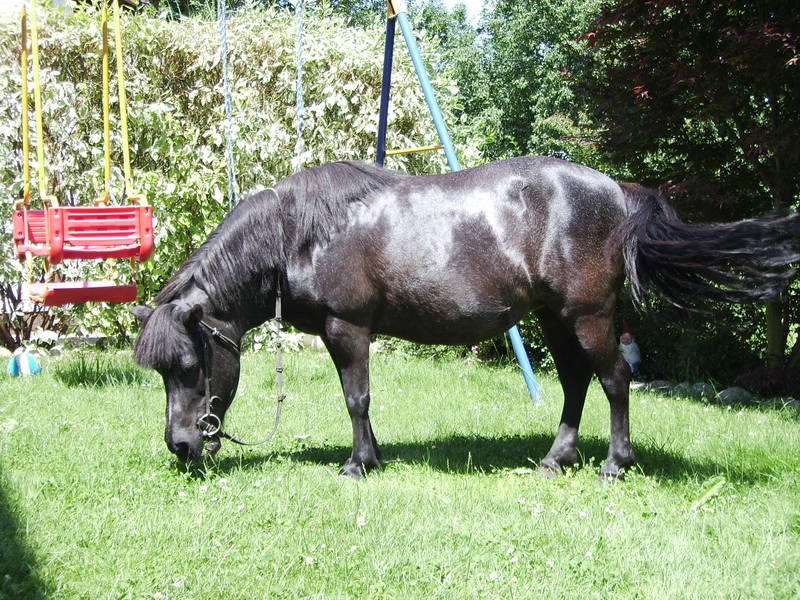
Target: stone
(660,386)
(703,390)
(684,390)
(734,395)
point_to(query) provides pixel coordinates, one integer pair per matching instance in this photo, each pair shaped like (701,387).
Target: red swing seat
(79,232)
(73,292)
(85,232)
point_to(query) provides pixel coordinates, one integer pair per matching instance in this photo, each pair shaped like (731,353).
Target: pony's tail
(687,264)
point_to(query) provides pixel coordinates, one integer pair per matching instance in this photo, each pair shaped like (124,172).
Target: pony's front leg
(348,345)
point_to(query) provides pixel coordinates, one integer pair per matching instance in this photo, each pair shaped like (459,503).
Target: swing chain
(300,109)
(222,24)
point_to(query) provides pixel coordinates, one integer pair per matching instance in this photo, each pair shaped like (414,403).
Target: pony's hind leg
(348,345)
(574,373)
(596,335)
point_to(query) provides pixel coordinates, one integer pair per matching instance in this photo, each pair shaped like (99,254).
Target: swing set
(101,231)
(105,231)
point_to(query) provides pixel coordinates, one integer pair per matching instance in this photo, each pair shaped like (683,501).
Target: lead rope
(278,380)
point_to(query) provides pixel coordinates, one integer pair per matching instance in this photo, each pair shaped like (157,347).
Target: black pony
(445,259)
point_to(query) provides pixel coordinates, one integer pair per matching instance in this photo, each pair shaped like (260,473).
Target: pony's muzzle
(186,445)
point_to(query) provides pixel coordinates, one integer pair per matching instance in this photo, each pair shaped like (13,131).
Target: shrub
(177,121)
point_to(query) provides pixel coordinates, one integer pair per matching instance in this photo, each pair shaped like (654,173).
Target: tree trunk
(794,358)
(777,332)
(777,316)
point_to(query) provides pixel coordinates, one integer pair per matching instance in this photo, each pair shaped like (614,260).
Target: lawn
(92,505)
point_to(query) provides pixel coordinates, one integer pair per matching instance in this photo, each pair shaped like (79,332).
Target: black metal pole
(386,86)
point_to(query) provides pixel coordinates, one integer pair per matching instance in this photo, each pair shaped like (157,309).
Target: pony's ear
(142,313)
(192,316)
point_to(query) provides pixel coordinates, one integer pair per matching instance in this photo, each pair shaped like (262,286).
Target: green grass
(93,506)
(93,369)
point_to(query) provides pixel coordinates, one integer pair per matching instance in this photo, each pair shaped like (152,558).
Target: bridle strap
(219,336)
(210,425)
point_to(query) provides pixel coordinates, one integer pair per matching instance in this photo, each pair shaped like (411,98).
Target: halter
(210,425)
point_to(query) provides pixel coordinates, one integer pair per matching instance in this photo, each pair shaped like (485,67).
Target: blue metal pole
(452,160)
(524,364)
(427,89)
(386,86)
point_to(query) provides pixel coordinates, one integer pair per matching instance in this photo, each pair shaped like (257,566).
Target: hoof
(356,470)
(613,468)
(548,473)
(611,472)
(550,468)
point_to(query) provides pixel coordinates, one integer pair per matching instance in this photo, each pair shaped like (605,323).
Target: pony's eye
(186,379)
(188,363)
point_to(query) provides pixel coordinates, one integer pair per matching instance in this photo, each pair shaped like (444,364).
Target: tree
(357,11)
(186,8)
(528,61)
(703,94)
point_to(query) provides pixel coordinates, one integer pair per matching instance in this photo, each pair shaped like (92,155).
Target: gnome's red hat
(626,328)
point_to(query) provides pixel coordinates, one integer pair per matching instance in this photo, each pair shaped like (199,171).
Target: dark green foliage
(529,64)
(680,346)
(540,356)
(701,94)
(701,98)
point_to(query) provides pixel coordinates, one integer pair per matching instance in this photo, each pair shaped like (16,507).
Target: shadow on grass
(479,454)
(18,578)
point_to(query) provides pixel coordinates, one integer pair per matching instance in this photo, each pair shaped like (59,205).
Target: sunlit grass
(95,369)
(95,504)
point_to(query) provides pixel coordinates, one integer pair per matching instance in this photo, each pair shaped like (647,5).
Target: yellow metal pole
(414,150)
(106,198)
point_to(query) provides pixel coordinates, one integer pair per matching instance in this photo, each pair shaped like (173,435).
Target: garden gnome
(629,349)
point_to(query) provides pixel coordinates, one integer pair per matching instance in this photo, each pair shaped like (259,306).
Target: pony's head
(199,364)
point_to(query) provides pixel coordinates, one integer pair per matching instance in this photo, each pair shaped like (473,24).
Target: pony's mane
(244,249)
(315,201)
(162,344)
(250,244)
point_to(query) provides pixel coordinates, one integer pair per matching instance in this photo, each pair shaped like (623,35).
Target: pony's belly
(438,328)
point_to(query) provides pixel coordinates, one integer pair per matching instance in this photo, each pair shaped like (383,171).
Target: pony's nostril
(182,450)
